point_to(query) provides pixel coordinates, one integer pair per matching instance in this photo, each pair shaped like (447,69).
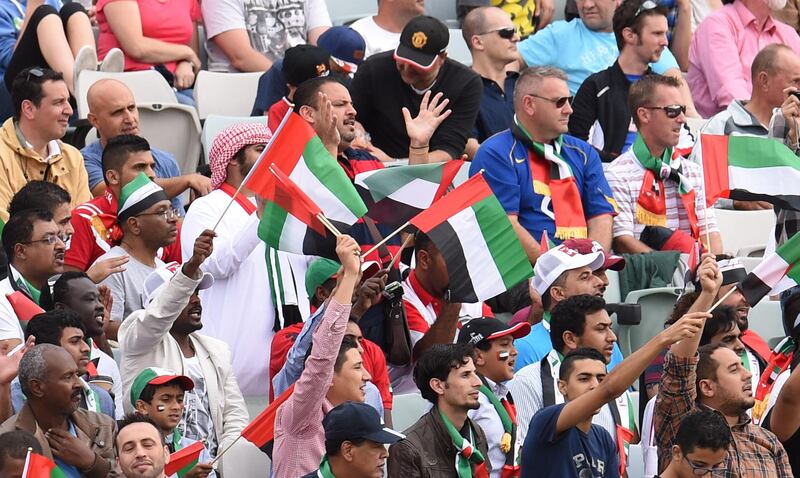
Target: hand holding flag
(184,459)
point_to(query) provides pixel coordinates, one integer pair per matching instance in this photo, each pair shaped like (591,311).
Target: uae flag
(261,431)
(395,195)
(297,151)
(289,222)
(470,228)
(776,273)
(38,466)
(750,168)
(184,459)
(24,308)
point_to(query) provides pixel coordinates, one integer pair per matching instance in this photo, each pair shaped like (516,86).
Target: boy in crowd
(700,446)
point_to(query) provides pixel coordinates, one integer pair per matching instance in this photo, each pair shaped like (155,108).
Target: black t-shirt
(379,95)
(792,445)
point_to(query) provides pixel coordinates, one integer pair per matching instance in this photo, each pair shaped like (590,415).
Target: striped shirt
(754,452)
(625,175)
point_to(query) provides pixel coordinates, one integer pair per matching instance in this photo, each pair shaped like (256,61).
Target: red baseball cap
(588,246)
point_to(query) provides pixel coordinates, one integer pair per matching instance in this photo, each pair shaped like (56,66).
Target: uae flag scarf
(651,207)
(552,176)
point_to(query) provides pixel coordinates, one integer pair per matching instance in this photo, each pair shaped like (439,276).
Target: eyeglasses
(647,5)
(559,102)
(49,239)
(702,470)
(167,214)
(505,32)
(37,72)
(672,111)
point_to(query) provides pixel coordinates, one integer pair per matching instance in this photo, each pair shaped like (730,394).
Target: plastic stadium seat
(216,123)
(457,49)
(635,405)
(345,12)
(173,128)
(407,409)
(765,319)
(612,293)
(742,230)
(657,305)
(244,459)
(635,461)
(230,94)
(148,86)
(750,263)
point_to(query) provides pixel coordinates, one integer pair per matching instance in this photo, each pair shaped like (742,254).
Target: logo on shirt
(419,39)
(520,160)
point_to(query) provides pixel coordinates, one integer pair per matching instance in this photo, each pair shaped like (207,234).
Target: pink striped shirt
(722,50)
(299,436)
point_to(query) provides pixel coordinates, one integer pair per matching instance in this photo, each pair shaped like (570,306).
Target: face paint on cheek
(503,356)
(161,408)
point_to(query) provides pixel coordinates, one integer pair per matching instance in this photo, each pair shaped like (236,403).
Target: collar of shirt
(53,148)
(744,420)
(747,18)
(423,295)
(741,117)
(500,390)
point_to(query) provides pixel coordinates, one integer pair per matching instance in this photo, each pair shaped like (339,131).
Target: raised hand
(349,253)
(203,247)
(686,327)
(431,114)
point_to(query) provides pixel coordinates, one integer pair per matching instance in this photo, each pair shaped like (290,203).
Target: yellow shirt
(19,164)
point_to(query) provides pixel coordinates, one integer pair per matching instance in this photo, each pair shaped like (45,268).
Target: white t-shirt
(197,423)
(272,25)
(376,38)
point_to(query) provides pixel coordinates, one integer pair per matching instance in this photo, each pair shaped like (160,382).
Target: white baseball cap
(159,278)
(550,265)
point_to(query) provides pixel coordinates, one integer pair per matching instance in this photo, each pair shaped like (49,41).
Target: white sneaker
(85,60)
(114,62)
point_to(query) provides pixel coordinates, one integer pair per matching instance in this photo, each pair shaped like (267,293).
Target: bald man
(112,111)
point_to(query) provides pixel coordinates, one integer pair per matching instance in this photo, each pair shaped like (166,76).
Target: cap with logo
(352,421)
(157,376)
(486,328)
(155,282)
(421,41)
(345,45)
(303,62)
(138,195)
(587,246)
(550,265)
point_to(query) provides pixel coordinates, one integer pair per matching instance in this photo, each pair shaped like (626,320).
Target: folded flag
(470,228)
(289,222)
(776,270)
(261,431)
(39,466)
(395,195)
(750,168)
(184,459)
(297,151)
(23,306)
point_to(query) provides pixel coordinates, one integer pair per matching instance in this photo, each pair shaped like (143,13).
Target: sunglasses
(505,32)
(672,111)
(559,102)
(38,73)
(648,5)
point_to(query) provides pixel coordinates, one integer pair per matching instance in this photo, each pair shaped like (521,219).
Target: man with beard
(165,334)
(445,441)
(601,103)
(35,249)
(713,377)
(79,441)
(652,184)
(141,451)
(148,223)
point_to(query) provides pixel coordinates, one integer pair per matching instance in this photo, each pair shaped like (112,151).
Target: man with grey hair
(492,40)
(79,441)
(547,181)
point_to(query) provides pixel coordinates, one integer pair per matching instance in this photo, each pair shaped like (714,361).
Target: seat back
(173,128)
(244,459)
(657,305)
(407,409)
(765,319)
(346,12)
(457,48)
(744,230)
(148,86)
(230,94)
(216,123)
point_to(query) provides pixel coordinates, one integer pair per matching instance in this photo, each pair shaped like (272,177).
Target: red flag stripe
(472,191)
(290,197)
(449,172)
(715,167)
(262,429)
(183,457)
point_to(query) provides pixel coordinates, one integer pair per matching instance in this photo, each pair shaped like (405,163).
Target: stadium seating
(243,459)
(765,319)
(635,461)
(174,128)
(657,305)
(407,409)
(346,12)
(148,86)
(744,232)
(216,123)
(230,94)
(457,49)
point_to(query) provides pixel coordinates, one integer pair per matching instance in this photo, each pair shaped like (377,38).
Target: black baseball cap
(486,328)
(303,62)
(352,421)
(421,41)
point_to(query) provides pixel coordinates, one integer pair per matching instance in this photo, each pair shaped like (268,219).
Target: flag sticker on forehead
(138,195)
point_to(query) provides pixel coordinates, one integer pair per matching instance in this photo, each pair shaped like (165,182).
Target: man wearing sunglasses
(492,40)
(148,223)
(546,181)
(601,104)
(35,251)
(652,184)
(700,446)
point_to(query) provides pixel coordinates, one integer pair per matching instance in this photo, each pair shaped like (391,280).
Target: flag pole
(721,299)
(225,450)
(385,239)
(260,157)
(399,251)
(328,224)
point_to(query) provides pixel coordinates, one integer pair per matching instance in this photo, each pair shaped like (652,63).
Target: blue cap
(345,45)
